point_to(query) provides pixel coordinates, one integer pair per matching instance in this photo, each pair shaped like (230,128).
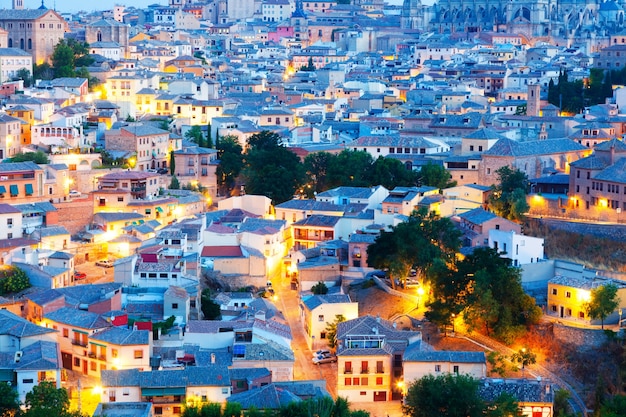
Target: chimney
(212,357)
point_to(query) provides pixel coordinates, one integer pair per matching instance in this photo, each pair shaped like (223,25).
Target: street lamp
(420,292)
(453,317)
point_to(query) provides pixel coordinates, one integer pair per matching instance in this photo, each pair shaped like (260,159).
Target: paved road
(304,368)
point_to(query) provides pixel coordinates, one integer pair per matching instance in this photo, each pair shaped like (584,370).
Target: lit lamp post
(420,292)
(401,388)
(619,323)
(453,317)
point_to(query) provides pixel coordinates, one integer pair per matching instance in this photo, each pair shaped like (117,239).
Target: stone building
(108,30)
(36,31)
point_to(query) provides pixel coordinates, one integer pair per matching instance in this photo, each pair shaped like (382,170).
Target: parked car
(79,275)
(163,171)
(321,352)
(320,359)
(105,263)
(75,194)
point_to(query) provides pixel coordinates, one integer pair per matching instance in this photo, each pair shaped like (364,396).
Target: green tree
(435,175)
(614,407)
(47,400)
(505,405)
(603,302)
(341,407)
(63,61)
(38,157)
(309,66)
(172,163)
(498,363)
(25,75)
(210,309)
(174,184)
(524,357)
(209,136)
(232,410)
(9,400)
(349,168)
(195,135)
(331,330)
(415,244)
(43,71)
(319,289)
(316,167)
(561,403)
(508,197)
(444,396)
(494,299)
(271,169)
(391,173)
(13,280)
(230,154)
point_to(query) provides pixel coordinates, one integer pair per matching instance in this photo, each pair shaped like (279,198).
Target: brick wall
(75,214)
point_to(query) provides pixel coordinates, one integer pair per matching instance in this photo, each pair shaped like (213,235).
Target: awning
(159,209)
(162,392)
(14,191)
(29,189)
(3,189)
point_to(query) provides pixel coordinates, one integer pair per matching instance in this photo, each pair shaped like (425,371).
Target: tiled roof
(318,220)
(18,166)
(315,301)
(395,141)
(12,325)
(522,390)
(477,216)
(23,14)
(614,173)
(221,251)
(268,397)
(77,318)
(418,355)
(508,147)
(348,192)
(123,336)
(583,282)
(592,162)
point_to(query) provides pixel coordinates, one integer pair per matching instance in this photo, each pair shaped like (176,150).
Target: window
(554,291)
(568,294)
(455,369)
(175,306)
(66,333)
(347,381)
(27,381)
(224,390)
(356,381)
(581,314)
(76,361)
(379,380)
(437,368)
(120,199)
(139,354)
(114,353)
(158,411)
(364,381)
(93,366)
(320,317)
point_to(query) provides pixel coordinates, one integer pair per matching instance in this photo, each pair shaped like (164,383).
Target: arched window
(30,43)
(99,36)
(22,43)
(10,43)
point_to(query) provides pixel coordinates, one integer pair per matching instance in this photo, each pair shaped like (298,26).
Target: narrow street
(304,368)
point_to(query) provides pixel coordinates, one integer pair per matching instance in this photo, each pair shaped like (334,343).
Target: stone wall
(75,214)
(587,338)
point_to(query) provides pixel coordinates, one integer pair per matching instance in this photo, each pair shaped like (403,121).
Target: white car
(105,263)
(330,358)
(75,194)
(321,352)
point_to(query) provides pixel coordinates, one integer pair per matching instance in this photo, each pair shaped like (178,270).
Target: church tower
(533,100)
(18,4)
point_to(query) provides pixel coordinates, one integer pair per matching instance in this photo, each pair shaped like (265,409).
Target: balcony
(92,355)
(347,371)
(365,370)
(79,343)
(102,358)
(380,371)
(138,189)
